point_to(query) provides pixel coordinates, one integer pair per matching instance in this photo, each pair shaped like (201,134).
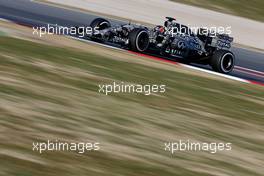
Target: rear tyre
(138,40)
(100,23)
(223,61)
(97,25)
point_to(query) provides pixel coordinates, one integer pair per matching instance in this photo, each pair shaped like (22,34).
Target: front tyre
(138,40)
(223,61)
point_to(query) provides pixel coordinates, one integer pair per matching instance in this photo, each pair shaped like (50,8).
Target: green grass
(2,33)
(248,9)
(52,93)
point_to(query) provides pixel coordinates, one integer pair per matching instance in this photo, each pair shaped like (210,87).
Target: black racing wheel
(100,23)
(97,25)
(139,39)
(223,61)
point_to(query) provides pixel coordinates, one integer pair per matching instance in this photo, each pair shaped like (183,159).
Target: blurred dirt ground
(49,91)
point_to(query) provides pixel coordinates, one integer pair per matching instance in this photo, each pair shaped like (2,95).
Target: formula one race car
(173,40)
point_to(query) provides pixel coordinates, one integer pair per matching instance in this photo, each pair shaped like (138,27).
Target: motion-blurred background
(49,91)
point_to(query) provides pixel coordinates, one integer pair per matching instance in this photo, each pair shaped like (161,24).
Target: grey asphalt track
(30,13)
